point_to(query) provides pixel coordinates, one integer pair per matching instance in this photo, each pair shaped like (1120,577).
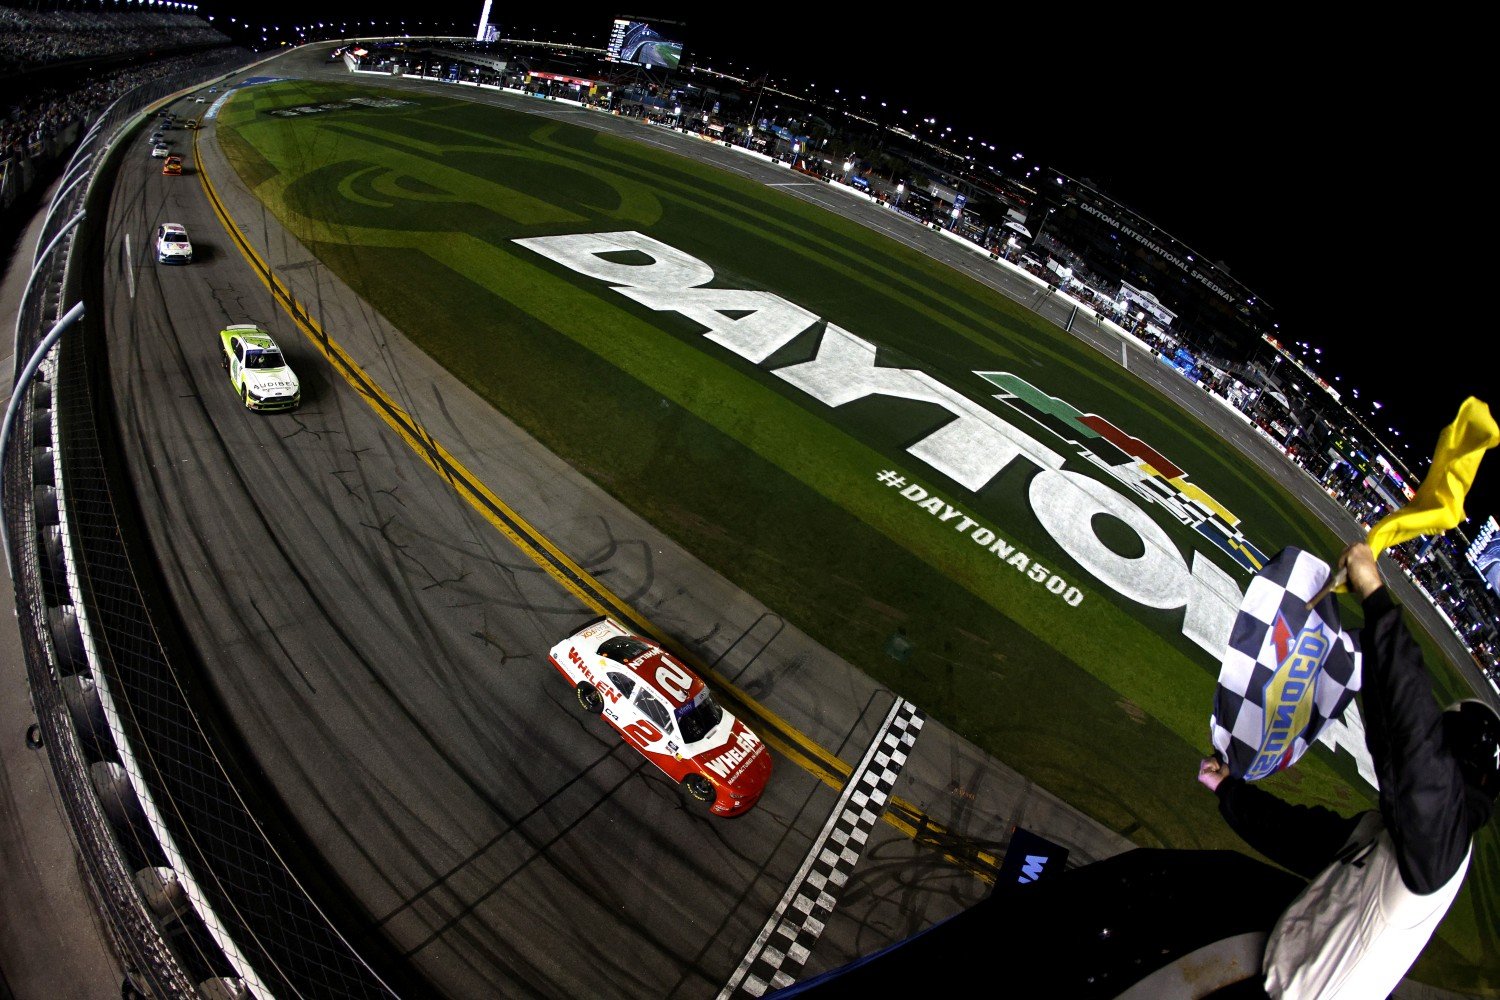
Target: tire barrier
(192,891)
(112,787)
(41,428)
(224,988)
(84,706)
(52,565)
(122,809)
(86,711)
(67,641)
(44,503)
(71,721)
(43,470)
(163,892)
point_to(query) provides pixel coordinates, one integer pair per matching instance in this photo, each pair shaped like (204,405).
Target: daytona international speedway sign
(975,446)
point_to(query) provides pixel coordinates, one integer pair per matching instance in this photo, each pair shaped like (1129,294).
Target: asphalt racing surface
(378,636)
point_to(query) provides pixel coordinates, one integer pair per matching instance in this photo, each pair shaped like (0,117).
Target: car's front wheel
(245,395)
(589,699)
(698,787)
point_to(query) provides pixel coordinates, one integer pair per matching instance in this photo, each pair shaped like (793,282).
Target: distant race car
(257,370)
(667,713)
(172,246)
(160,151)
(191,123)
(173,165)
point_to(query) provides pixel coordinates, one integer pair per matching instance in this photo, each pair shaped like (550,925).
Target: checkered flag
(1288,671)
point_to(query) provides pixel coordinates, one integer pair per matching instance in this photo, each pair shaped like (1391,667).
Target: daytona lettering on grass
(980,535)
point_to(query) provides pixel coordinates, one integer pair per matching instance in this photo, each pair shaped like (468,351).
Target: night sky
(1325,163)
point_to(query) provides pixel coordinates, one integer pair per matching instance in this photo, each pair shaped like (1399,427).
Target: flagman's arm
(1421,788)
(1302,839)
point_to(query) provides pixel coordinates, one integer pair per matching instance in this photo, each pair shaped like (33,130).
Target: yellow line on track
(779,734)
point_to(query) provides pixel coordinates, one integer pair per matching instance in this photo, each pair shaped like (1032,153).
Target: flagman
(1381,881)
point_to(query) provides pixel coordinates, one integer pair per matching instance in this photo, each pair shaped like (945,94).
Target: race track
(379,645)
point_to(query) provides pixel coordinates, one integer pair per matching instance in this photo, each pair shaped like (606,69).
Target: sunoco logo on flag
(1287,671)
(1287,696)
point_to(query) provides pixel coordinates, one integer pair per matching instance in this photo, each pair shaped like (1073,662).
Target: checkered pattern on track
(787,939)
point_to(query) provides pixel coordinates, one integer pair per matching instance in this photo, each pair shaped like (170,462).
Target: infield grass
(1104,704)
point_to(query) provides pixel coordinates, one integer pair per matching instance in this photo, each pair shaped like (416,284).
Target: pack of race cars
(161,143)
(656,703)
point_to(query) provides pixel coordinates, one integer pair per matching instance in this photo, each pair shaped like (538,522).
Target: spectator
(35,127)
(32,39)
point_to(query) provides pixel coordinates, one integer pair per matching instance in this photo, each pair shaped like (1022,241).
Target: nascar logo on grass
(1139,467)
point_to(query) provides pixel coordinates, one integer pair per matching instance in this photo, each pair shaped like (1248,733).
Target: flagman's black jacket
(1430,813)
(1380,883)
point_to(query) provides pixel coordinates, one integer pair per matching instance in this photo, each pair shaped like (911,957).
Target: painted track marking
(811,897)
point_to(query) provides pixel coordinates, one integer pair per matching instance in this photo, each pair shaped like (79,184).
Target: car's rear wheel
(589,699)
(698,787)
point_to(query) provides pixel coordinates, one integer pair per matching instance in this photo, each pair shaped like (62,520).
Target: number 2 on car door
(642,733)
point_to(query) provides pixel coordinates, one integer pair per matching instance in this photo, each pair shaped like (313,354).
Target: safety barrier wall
(196,898)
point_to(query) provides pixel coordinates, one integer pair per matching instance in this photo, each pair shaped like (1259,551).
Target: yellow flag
(1439,504)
